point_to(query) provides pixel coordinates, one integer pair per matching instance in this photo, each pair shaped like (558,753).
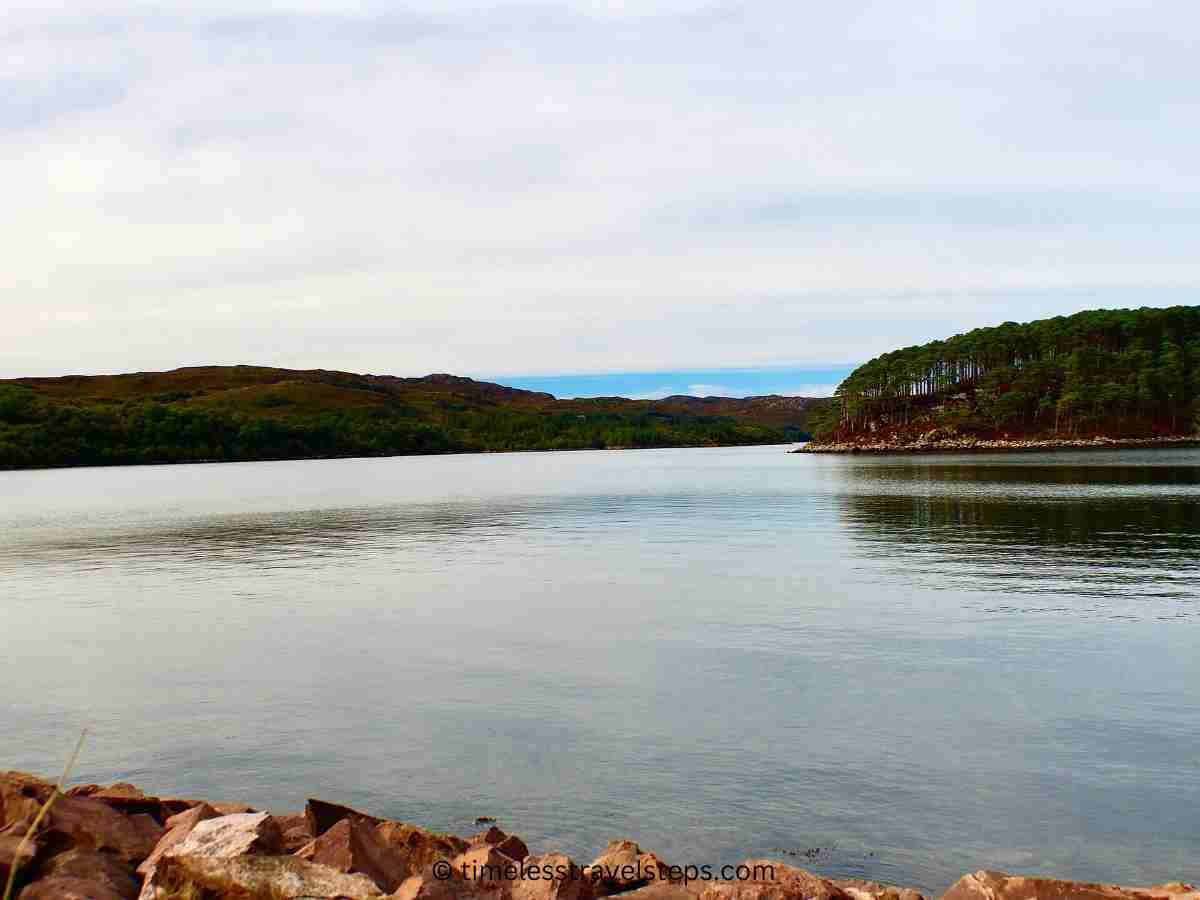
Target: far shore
(993,445)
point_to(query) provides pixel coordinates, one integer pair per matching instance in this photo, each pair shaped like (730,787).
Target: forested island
(1122,377)
(220,413)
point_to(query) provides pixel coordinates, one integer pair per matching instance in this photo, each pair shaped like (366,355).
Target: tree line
(1125,371)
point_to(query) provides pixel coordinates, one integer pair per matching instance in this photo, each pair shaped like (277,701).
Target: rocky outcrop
(107,843)
(623,866)
(102,869)
(935,442)
(353,846)
(985,885)
(252,877)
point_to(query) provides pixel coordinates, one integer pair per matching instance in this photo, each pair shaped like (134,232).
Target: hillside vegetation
(1119,373)
(248,413)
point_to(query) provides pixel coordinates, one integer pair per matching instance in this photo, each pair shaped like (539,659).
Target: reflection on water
(930,665)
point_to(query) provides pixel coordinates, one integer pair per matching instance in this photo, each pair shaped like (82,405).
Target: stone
(558,879)
(624,866)
(420,847)
(323,815)
(15,852)
(94,866)
(873,890)
(88,824)
(252,877)
(493,837)
(513,847)
(986,885)
(182,825)
(429,887)
(69,888)
(21,796)
(295,831)
(772,880)
(354,846)
(233,835)
(128,799)
(484,863)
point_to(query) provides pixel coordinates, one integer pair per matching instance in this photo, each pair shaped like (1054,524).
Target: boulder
(873,890)
(493,836)
(91,865)
(252,877)
(513,847)
(221,837)
(420,847)
(352,846)
(985,885)
(295,831)
(15,852)
(557,878)
(69,889)
(128,799)
(88,824)
(182,825)
(775,881)
(21,796)
(224,837)
(426,886)
(484,863)
(322,815)
(624,866)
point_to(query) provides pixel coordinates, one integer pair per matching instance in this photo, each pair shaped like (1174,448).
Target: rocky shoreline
(117,843)
(931,442)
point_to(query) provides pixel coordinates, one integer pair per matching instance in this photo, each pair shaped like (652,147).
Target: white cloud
(588,186)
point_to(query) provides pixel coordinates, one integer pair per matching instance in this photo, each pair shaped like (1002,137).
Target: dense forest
(1123,372)
(253,413)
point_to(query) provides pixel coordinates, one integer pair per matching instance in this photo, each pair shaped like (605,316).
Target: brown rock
(624,866)
(15,852)
(21,796)
(182,825)
(493,837)
(513,847)
(69,888)
(428,887)
(775,881)
(322,815)
(88,824)
(484,863)
(353,846)
(667,890)
(253,877)
(873,890)
(985,885)
(92,865)
(294,828)
(558,879)
(420,847)
(128,799)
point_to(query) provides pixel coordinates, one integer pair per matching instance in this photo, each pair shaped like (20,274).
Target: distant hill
(254,412)
(1122,373)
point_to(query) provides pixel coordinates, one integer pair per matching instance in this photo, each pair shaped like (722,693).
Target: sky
(750,195)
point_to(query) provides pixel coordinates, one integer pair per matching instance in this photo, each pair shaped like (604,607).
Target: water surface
(920,665)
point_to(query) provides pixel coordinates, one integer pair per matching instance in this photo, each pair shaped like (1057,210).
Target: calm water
(922,666)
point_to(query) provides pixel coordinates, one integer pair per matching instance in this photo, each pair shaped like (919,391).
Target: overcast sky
(522,189)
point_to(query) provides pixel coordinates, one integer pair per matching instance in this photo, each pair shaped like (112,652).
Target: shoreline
(115,842)
(1003,445)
